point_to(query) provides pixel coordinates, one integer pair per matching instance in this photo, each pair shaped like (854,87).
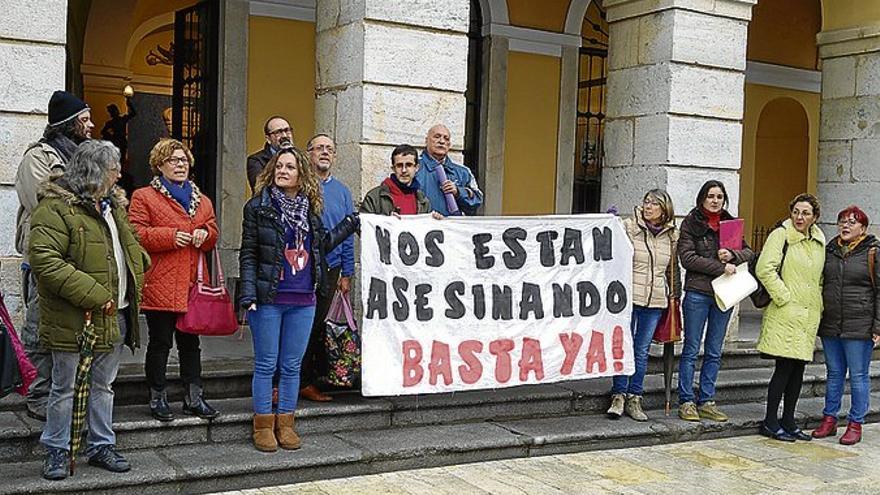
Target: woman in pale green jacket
(790,267)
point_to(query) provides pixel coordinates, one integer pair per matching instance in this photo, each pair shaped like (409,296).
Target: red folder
(731,234)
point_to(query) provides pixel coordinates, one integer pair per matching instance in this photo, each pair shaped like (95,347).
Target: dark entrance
(194,102)
(474,89)
(592,75)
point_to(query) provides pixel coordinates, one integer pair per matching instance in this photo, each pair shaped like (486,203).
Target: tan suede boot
(284,432)
(264,437)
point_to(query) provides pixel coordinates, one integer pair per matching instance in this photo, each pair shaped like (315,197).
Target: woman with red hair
(850,323)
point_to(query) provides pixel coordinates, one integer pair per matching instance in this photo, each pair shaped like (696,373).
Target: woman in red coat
(175,223)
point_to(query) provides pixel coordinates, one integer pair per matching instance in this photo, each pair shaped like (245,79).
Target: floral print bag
(343,342)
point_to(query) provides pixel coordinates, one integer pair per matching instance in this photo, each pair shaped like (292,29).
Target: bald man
(460,182)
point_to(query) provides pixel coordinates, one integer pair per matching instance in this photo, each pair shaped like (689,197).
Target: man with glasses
(340,262)
(278,135)
(70,123)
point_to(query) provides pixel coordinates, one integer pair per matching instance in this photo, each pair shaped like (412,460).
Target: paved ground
(744,465)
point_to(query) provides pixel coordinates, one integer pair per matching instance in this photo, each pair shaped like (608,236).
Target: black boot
(159,407)
(195,405)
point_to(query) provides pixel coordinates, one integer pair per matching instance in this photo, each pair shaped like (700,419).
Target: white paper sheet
(731,289)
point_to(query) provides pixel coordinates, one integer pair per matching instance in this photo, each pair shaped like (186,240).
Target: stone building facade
(766,95)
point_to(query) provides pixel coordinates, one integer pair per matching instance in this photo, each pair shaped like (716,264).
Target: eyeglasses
(175,161)
(283,130)
(323,147)
(852,222)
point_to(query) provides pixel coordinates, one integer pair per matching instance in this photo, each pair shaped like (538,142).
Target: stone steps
(232,377)
(136,430)
(236,465)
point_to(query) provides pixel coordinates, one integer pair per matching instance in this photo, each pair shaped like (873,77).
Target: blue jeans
(281,334)
(842,355)
(99,416)
(644,322)
(699,313)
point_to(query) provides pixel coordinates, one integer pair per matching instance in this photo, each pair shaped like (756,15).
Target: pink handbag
(25,367)
(209,308)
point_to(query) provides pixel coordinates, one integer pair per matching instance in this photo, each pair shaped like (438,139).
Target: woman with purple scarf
(283,249)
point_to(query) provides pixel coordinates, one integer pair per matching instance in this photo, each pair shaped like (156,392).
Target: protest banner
(470,303)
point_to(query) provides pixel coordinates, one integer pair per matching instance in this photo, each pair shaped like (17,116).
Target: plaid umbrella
(86,340)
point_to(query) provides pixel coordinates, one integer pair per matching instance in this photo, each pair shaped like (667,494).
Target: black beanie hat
(64,106)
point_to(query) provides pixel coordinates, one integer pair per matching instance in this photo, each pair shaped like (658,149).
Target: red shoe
(827,428)
(853,434)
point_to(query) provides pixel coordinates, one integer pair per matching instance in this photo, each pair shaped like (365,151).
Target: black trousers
(314,364)
(162,330)
(787,379)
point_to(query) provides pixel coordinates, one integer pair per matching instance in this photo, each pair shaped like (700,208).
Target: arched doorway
(782,149)
(590,127)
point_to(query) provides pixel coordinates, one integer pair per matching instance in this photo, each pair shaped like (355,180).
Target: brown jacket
(698,252)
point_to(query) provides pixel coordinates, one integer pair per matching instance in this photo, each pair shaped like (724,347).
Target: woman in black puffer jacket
(850,323)
(283,246)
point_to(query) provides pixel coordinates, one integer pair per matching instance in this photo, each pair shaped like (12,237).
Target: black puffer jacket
(851,305)
(262,248)
(698,252)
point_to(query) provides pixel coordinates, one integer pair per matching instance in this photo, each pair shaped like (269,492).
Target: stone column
(675,98)
(32,65)
(849,129)
(676,75)
(384,76)
(231,128)
(492,110)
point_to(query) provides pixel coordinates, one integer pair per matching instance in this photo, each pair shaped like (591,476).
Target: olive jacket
(71,254)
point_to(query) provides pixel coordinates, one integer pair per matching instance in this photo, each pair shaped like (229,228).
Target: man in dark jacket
(278,134)
(70,123)
(400,192)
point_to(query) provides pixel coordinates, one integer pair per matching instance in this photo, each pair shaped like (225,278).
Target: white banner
(470,303)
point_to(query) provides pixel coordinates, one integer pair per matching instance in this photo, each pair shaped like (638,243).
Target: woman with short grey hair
(80,224)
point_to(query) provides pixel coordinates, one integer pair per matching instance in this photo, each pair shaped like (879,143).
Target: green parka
(792,318)
(71,254)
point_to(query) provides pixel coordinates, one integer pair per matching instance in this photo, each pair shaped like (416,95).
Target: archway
(781,160)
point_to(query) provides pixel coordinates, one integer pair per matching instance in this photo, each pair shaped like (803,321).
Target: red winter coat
(157,217)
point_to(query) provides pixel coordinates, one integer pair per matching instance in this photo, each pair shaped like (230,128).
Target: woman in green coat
(86,258)
(790,267)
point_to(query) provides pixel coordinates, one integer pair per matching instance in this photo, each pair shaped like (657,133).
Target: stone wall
(849,129)
(32,65)
(376,85)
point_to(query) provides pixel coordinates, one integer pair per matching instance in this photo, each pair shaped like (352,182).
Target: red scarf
(712,219)
(404,202)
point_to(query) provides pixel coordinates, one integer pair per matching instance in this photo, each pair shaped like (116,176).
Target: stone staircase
(354,435)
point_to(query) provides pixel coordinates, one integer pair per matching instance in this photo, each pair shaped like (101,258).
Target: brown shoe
(312,393)
(264,436)
(284,432)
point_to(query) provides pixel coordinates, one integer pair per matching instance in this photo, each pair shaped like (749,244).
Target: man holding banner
(476,303)
(450,187)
